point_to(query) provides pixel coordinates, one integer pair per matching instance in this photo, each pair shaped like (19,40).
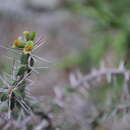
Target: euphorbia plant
(13,94)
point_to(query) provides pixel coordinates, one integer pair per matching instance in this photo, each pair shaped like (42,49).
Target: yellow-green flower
(28,47)
(18,44)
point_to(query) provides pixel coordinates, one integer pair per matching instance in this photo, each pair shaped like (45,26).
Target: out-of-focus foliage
(111,31)
(109,38)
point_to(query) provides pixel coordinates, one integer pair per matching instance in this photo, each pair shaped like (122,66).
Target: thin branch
(11,49)
(22,80)
(37,46)
(96,74)
(23,104)
(13,70)
(40,58)
(9,108)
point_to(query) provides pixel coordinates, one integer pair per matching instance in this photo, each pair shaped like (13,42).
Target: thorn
(102,65)
(121,66)
(40,58)
(37,46)
(109,77)
(11,49)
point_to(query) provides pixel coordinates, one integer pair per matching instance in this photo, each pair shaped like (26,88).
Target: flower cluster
(25,43)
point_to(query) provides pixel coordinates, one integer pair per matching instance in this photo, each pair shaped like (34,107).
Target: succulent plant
(13,94)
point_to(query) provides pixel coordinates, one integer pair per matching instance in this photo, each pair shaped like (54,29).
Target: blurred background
(83,36)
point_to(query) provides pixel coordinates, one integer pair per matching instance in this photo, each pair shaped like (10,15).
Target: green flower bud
(29,36)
